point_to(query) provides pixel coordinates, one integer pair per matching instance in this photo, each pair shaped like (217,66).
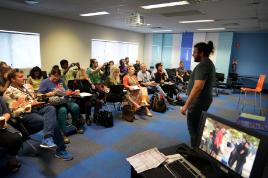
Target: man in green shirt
(94,72)
(68,73)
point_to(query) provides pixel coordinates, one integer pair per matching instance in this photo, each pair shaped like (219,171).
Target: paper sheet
(146,160)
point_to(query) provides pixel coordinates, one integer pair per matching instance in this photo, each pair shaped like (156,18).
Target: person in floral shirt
(23,104)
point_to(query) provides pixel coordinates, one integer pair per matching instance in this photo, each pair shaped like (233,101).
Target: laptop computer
(233,150)
(116,89)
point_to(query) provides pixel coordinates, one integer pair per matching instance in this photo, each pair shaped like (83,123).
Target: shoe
(64,155)
(66,140)
(48,143)
(88,121)
(148,113)
(170,100)
(13,167)
(80,131)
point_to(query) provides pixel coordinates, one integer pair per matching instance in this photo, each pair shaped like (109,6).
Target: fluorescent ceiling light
(94,14)
(170,4)
(196,21)
(208,29)
(148,24)
(157,31)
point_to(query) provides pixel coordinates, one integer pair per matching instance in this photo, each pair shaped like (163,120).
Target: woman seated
(11,141)
(35,78)
(137,96)
(113,79)
(55,86)
(4,82)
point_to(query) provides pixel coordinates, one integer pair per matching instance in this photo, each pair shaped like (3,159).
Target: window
(19,49)
(105,51)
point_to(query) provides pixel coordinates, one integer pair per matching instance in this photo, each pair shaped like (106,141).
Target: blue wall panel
(186,49)
(250,51)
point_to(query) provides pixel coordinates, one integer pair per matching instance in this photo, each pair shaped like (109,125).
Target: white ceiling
(234,15)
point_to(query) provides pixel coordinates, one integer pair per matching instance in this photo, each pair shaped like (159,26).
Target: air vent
(183,13)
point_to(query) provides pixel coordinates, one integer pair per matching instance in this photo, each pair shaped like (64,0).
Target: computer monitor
(237,151)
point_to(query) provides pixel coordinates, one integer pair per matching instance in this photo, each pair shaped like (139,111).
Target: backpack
(128,113)
(158,103)
(104,118)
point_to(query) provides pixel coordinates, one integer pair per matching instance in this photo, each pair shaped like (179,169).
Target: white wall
(62,38)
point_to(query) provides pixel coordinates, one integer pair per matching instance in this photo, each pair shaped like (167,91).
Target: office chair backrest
(44,74)
(219,77)
(260,83)
(116,88)
(82,85)
(233,76)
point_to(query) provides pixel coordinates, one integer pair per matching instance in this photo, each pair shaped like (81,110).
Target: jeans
(62,112)
(193,120)
(44,118)
(153,89)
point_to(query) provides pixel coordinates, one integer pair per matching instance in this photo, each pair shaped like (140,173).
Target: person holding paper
(137,96)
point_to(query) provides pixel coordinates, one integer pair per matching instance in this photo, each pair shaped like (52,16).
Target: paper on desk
(84,94)
(146,160)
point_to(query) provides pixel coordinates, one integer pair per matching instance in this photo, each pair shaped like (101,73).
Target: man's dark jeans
(193,120)
(44,118)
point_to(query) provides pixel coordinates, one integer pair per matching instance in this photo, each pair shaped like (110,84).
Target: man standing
(199,88)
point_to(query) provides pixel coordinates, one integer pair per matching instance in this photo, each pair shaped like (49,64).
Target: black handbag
(104,118)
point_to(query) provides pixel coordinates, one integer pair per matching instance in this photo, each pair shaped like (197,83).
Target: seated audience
(4,83)
(161,78)
(181,73)
(11,141)
(113,79)
(126,61)
(35,78)
(145,80)
(54,86)
(137,66)
(67,72)
(123,68)
(22,102)
(94,73)
(136,95)
(154,70)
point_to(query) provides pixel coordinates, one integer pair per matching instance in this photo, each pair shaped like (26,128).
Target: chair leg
(255,101)
(260,104)
(239,97)
(244,102)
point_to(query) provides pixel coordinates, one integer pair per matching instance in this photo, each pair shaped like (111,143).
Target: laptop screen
(231,147)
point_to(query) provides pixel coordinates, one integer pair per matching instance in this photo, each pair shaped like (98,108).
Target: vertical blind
(20,50)
(105,51)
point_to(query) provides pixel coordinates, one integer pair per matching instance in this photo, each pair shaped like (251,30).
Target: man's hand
(37,103)
(93,86)
(5,125)
(183,110)
(52,93)
(28,109)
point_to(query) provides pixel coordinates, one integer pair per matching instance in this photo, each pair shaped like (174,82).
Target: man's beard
(197,59)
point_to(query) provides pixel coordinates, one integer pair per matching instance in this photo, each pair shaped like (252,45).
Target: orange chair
(256,90)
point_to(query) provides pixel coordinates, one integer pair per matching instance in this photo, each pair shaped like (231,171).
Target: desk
(162,172)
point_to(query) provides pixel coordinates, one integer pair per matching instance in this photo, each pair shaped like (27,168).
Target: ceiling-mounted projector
(135,19)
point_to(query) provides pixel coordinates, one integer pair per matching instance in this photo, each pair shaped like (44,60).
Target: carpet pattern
(101,152)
